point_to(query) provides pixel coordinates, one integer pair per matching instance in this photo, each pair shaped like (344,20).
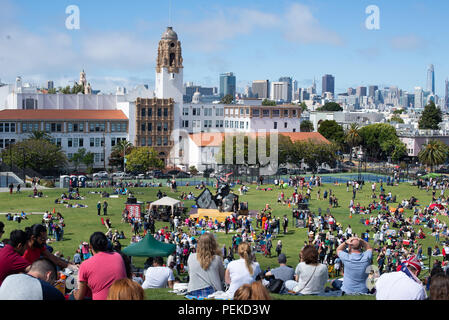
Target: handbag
(275,285)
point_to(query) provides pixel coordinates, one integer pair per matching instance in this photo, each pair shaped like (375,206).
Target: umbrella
(433,205)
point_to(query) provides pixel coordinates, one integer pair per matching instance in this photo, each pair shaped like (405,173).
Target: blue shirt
(355,271)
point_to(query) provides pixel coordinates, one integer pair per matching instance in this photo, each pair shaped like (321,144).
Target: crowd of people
(386,260)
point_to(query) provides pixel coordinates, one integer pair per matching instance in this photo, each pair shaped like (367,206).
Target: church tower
(169,69)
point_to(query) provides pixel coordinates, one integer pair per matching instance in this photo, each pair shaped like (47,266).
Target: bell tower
(169,69)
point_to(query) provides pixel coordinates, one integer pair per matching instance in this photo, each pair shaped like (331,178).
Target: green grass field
(82,222)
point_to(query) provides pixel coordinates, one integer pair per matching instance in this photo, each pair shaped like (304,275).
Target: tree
(38,154)
(303,106)
(227,99)
(332,131)
(51,91)
(380,140)
(193,171)
(433,153)
(78,157)
(65,90)
(330,106)
(267,102)
(88,161)
(306,126)
(142,159)
(39,135)
(118,153)
(314,154)
(352,137)
(431,117)
(396,119)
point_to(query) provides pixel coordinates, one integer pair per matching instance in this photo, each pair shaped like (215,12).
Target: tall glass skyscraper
(328,84)
(227,84)
(431,79)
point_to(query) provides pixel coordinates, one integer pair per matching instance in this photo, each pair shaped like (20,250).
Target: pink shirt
(100,271)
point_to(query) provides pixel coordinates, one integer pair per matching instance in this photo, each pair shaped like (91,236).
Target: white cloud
(407,43)
(300,26)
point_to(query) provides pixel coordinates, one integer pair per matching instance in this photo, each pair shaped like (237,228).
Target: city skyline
(118,47)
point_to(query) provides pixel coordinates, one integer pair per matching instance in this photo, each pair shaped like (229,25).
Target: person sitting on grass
(158,276)
(403,284)
(355,261)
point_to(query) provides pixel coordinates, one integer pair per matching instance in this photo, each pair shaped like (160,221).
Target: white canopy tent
(167,202)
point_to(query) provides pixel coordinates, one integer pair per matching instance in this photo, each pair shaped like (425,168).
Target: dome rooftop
(169,34)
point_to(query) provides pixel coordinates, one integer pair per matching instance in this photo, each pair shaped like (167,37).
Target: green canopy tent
(149,247)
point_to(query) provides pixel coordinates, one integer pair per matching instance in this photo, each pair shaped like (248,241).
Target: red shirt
(11,262)
(32,254)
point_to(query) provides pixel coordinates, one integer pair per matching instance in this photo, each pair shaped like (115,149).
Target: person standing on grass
(99,208)
(105,208)
(11,187)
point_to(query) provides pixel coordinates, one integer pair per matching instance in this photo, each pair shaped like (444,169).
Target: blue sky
(256,39)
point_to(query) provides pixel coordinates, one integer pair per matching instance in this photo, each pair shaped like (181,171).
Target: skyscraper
(431,79)
(419,98)
(261,89)
(279,91)
(227,84)
(328,84)
(361,91)
(372,90)
(289,82)
(446,95)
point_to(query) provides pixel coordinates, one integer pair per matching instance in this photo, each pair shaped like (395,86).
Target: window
(143,112)
(242,125)
(266,113)
(276,113)
(97,157)
(247,111)
(70,155)
(159,141)
(165,141)
(123,127)
(165,126)
(293,113)
(256,112)
(159,112)
(219,112)
(226,123)
(150,142)
(247,124)
(13,127)
(285,113)
(150,127)
(69,142)
(142,142)
(112,127)
(165,112)
(185,111)
(150,112)
(275,125)
(92,142)
(97,142)
(6,127)
(285,124)
(159,127)
(185,123)
(143,127)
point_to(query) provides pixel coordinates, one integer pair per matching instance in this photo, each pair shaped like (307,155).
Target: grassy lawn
(82,222)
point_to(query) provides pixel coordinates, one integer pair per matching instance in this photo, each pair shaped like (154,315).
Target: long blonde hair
(244,251)
(206,249)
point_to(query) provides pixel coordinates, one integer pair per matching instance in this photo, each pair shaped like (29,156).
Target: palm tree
(122,148)
(352,137)
(39,135)
(433,153)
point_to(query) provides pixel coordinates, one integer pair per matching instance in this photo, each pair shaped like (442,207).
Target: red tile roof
(214,139)
(65,114)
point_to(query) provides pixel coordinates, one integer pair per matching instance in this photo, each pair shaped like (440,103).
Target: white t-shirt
(157,277)
(398,286)
(240,275)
